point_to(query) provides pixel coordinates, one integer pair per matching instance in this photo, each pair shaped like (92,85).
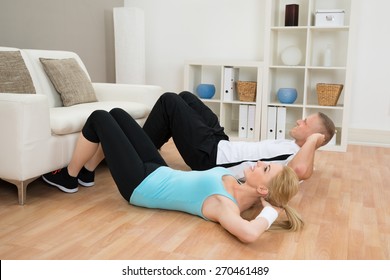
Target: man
(202,143)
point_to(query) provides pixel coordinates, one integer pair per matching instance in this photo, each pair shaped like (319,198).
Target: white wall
(371,75)
(179,30)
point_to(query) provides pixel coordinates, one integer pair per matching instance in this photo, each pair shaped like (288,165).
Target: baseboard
(369,137)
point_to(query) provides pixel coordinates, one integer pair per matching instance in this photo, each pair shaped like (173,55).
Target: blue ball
(205,90)
(287,95)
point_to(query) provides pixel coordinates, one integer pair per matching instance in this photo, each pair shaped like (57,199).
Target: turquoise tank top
(171,189)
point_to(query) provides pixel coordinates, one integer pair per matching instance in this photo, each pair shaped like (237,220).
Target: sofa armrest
(24,124)
(145,94)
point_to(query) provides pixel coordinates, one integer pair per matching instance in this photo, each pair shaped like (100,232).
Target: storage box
(329,18)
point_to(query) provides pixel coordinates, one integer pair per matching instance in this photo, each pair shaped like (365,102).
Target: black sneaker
(61,179)
(86,178)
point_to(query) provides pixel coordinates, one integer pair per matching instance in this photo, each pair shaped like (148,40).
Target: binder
(229,80)
(271,125)
(243,121)
(251,121)
(281,123)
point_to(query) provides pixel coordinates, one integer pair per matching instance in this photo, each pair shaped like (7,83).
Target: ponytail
(283,187)
(293,222)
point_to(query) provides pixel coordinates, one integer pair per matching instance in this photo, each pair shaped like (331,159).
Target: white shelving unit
(212,72)
(312,41)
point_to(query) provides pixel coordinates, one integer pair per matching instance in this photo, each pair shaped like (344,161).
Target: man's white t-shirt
(238,155)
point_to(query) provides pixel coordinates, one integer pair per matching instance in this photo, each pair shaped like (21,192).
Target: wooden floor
(346,207)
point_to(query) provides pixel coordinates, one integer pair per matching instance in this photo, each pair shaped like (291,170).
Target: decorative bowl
(287,95)
(206,91)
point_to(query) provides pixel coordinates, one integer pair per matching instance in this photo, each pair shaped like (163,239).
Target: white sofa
(38,134)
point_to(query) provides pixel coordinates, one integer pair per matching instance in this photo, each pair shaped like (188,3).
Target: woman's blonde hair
(281,189)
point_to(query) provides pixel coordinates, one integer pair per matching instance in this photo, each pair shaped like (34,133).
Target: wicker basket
(328,94)
(246,91)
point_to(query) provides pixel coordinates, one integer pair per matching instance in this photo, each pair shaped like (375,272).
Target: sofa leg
(22,187)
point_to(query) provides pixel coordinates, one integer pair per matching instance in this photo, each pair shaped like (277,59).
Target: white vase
(327,56)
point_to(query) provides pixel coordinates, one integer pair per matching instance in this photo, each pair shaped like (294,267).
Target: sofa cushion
(66,120)
(14,76)
(41,81)
(70,80)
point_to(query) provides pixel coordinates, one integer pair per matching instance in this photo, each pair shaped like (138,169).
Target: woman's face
(262,173)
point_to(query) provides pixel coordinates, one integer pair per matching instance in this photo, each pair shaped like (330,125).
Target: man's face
(306,127)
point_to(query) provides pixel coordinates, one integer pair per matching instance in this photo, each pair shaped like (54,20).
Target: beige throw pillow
(70,80)
(14,75)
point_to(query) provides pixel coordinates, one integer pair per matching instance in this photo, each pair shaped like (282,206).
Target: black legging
(129,152)
(195,129)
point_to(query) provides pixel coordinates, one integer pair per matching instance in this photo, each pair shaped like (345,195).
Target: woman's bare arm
(227,214)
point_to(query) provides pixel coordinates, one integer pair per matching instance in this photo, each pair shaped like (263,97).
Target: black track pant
(129,153)
(195,129)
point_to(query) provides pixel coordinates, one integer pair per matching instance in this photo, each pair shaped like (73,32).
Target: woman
(144,179)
